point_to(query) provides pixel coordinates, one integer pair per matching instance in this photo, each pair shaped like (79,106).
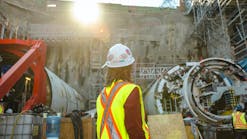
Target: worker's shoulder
(132,84)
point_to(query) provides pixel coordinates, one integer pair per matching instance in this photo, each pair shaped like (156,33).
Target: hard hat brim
(107,64)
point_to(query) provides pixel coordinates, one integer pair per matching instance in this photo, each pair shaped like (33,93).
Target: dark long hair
(122,73)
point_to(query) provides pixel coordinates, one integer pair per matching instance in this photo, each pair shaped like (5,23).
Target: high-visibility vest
(1,109)
(239,121)
(110,111)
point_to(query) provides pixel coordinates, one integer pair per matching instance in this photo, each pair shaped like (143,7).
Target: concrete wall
(15,15)
(155,35)
(218,41)
(71,62)
(160,36)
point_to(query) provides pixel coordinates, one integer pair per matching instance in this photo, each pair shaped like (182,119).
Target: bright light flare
(51,5)
(86,11)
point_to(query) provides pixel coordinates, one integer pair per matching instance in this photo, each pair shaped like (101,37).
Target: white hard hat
(119,55)
(9,110)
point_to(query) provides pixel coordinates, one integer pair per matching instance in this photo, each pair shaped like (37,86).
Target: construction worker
(120,108)
(239,123)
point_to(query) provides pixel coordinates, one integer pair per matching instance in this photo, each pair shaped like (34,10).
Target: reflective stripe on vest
(106,102)
(117,111)
(239,121)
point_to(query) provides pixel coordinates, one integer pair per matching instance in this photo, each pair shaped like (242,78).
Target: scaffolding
(96,61)
(149,71)
(222,18)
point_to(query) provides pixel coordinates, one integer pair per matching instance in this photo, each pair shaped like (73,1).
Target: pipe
(60,96)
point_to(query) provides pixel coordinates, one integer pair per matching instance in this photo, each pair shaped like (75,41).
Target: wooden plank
(189,132)
(67,130)
(169,126)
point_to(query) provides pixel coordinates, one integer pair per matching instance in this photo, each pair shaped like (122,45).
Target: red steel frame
(32,55)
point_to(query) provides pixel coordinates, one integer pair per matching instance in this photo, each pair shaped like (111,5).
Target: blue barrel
(53,127)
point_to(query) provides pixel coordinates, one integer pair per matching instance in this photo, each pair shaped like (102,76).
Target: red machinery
(32,55)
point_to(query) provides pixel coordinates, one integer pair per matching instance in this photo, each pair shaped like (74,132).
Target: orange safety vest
(239,121)
(110,111)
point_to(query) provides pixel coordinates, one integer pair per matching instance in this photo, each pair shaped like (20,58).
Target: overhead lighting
(51,5)
(86,11)
(28,78)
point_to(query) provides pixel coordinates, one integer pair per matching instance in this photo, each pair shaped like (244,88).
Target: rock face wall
(219,43)
(158,36)
(15,15)
(72,62)
(162,38)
